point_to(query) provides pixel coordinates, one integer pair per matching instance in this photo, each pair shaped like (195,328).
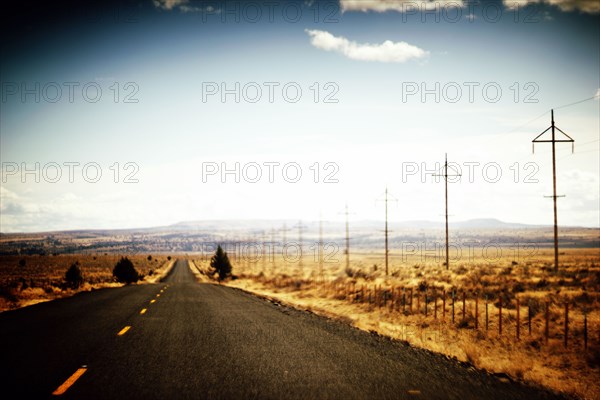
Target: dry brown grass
(337,292)
(26,280)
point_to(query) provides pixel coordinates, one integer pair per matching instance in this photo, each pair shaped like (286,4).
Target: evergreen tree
(220,264)
(125,272)
(74,277)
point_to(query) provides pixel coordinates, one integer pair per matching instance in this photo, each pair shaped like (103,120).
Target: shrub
(542,283)
(125,272)
(74,277)
(22,262)
(220,264)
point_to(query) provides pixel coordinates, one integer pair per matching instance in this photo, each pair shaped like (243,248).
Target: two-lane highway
(180,339)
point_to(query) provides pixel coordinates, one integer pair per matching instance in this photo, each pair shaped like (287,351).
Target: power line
(595,97)
(577,102)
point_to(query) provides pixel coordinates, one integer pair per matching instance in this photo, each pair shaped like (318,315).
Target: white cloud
(388,51)
(588,6)
(169,4)
(398,5)
(184,6)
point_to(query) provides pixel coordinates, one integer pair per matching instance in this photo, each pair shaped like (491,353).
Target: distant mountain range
(256,225)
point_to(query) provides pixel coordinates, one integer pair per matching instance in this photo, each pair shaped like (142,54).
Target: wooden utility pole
(386,232)
(284,231)
(321,247)
(445,176)
(386,200)
(284,245)
(264,251)
(300,264)
(272,255)
(346,213)
(554,196)
(347,239)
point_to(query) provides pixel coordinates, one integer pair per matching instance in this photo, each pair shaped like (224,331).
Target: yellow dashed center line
(69,382)
(152,301)
(123,331)
(143,311)
(414,392)
(158,295)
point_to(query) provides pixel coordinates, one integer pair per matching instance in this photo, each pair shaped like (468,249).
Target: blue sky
(366,56)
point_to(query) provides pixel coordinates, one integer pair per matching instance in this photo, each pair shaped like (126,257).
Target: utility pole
(264,251)
(321,247)
(272,255)
(554,196)
(445,176)
(284,246)
(283,231)
(300,264)
(300,245)
(387,231)
(346,213)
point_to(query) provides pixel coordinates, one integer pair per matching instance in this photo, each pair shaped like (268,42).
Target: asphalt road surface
(203,341)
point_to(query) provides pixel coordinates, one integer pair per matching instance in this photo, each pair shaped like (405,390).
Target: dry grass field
(408,305)
(26,280)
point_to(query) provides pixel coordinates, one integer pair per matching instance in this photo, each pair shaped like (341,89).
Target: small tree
(125,272)
(220,264)
(74,277)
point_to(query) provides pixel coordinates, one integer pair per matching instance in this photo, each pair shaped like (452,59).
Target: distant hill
(220,225)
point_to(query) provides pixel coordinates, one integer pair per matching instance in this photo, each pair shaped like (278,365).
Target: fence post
(434,304)
(444,304)
(410,294)
(453,300)
(486,314)
(585,331)
(518,320)
(426,302)
(529,316)
(499,316)
(403,300)
(546,330)
(463,310)
(476,311)
(418,302)
(362,297)
(566,323)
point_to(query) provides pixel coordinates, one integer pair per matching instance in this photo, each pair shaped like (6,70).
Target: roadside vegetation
(26,280)
(519,288)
